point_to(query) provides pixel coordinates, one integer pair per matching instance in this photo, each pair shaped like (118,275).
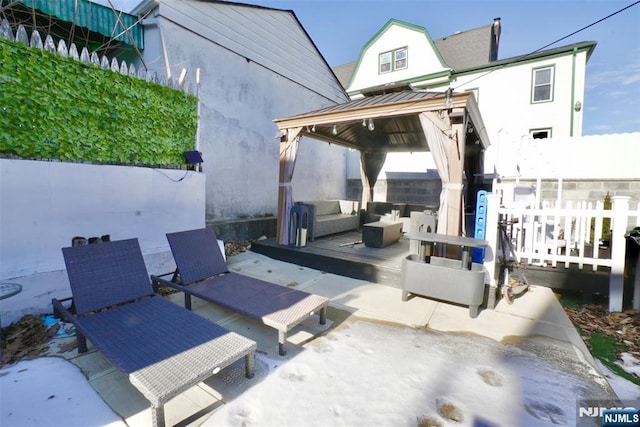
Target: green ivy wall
(52,107)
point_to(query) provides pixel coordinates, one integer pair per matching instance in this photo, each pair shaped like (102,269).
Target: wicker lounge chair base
(163,348)
(202,272)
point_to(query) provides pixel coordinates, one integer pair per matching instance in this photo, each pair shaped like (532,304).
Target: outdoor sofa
(332,216)
(202,272)
(163,348)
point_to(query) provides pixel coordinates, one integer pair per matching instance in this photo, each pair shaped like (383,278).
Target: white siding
(422,59)
(504,93)
(505,98)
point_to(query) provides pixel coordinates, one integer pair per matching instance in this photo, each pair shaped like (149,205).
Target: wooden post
(456,169)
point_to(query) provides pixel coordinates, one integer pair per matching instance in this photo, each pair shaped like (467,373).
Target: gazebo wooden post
(456,171)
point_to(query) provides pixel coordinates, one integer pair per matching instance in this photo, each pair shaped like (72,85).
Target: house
(534,95)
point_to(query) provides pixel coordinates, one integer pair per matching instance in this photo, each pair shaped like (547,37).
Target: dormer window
(392,60)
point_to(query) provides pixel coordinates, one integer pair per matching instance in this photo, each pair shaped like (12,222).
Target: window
(385,62)
(542,87)
(540,133)
(401,58)
(393,60)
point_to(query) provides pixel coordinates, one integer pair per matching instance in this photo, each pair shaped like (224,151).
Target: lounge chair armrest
(160,280)
(60,310)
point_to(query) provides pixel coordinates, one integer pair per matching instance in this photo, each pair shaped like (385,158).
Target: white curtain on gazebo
(288,155)
(370,166)
(440,145)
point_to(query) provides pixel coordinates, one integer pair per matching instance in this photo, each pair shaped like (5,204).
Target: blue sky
(340,28)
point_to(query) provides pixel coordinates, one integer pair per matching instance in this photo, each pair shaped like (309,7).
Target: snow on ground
(630,363)
(51,391)
(373,374)
(360,373)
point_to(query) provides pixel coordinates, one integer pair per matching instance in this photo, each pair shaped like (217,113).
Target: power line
(520,58)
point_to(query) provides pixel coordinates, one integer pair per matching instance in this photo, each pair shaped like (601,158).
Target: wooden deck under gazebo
(339,254)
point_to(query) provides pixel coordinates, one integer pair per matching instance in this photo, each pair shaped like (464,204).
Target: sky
(361,373)
(340,28)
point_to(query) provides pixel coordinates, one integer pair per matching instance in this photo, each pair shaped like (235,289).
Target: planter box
(443,279)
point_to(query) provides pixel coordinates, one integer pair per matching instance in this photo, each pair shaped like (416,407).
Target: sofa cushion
(335,223)
(325,207)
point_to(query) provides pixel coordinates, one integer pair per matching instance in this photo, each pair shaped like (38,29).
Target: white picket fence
(569,234)
(92,58)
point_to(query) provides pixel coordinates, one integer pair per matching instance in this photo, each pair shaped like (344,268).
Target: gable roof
(473,50)
(272,38)
(461,50)
(467,49)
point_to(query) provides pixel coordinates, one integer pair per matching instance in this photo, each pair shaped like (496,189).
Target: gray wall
(578,190)
(43,205)
(239,141)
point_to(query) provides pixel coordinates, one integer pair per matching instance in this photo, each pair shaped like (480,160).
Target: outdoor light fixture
(364,122)
(334,130)
(193,157)
(370,126)
(448,102)
(577,106)
(313,128)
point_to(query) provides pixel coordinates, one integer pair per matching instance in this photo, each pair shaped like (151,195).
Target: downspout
(573,89)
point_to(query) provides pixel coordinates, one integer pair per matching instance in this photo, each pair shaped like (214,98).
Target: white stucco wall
(606,157)
(43,205)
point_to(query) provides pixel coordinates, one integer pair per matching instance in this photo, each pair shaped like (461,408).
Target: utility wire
(518,59)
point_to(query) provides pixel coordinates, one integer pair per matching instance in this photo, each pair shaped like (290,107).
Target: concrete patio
(536,316)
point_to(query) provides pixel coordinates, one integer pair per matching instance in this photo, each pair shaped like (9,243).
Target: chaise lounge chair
(163,348)
(202,272)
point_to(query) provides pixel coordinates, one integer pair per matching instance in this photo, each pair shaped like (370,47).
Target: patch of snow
(372,374)
(51,391)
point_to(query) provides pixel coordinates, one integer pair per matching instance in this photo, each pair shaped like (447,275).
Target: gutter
(573,89)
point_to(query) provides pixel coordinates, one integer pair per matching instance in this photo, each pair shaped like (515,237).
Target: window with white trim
(385,62)
(540,133)
(392,60)
(542,84)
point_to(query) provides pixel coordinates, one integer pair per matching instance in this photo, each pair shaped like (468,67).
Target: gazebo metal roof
(395,117)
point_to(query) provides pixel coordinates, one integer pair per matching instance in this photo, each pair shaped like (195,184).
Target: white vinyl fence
(84,56)
(569,234)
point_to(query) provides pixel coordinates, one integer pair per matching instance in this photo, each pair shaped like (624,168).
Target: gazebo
(449,125)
